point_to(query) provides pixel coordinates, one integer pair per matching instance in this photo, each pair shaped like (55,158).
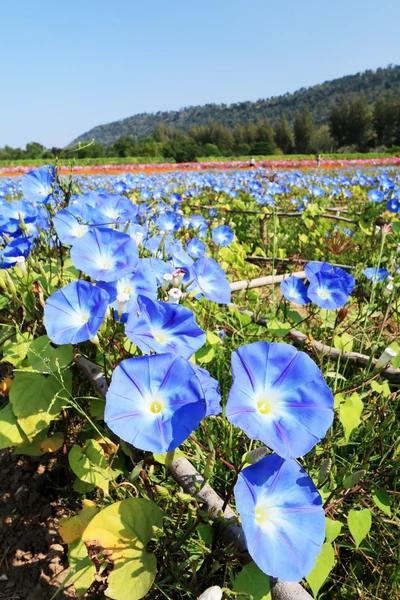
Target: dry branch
(261,281)
(184,473)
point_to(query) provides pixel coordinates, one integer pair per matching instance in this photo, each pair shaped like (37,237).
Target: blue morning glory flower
(294,290)
(169,222)
(105,254)
(222,235)
(210,280)
(282,517)
(376,275)
(196,248)
(393,205)
(312,268)
(154,402)
(75,312)
(15,252)
(37,185)
(376,195)
(328,291)
(164,327)
(279,396)
(124,292)
(68,227)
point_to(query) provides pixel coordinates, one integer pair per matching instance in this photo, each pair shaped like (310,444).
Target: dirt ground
(33,559)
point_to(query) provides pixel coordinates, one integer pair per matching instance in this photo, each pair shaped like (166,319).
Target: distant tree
(283,135)
(238,134)
(181,149)
(249,132)
(34,150)
(321,140)
(339,122)
(265,133)
(125,146)
(303,130)
(243,149)
(148,147)
(161,133)
(360,123)
(211,150)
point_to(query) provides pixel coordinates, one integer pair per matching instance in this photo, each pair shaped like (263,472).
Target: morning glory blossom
(222,235)
(376,275)
(376,195)
(279,396)
(164,327)
(37,185)
(75,312)
(282,517)
(294,290)
(105,254)
(328,291)
(154,402)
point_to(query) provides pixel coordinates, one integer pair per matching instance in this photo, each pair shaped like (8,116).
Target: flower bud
(21,264)
(174,296)
(177,277)
(122,300)
(385,358)
(211,593)
(166,282)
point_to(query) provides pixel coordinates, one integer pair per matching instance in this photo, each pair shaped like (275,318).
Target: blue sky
(69,66)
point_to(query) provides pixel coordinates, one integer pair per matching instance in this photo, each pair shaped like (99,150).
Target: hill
(318,97)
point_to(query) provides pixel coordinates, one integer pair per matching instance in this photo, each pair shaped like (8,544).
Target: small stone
(56,550)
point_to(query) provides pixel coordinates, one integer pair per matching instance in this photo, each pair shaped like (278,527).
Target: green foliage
(359,522)
(350,410)
(90,465)
(121,533)
(251,580)
(37,399)
(323,566)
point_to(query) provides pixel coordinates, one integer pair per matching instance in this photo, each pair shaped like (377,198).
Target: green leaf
(90,465)
(251,580)
(160,458)
(10,432)
(36,400)
(82,570)
(395,362)
(97,407)
(333,529)
(123,531)
(343,342)
(212,338)
(16,349)
(205,354)
(43,357)
(81,487)
(72,528)
(323,566)
(352,480)
(350,410)
(32,448)
(359,522)
(278,328)
(382,500)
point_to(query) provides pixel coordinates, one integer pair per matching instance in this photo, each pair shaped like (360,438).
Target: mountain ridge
(318,97)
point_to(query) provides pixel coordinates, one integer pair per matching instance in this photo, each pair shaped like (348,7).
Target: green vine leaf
(121,532)
(359,522)
(323,566)
(251,580)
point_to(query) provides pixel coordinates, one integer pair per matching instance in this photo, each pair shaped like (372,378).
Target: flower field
(210,354)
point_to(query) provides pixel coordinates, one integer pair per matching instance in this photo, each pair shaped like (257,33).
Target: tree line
(354,126)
